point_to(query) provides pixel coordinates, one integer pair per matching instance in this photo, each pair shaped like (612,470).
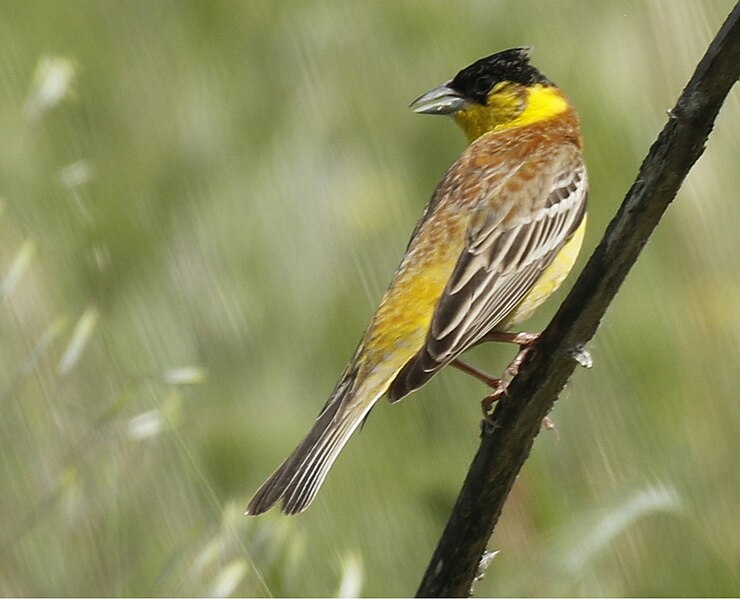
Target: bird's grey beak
(440,100)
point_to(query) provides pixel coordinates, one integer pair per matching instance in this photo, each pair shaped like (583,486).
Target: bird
(500,234)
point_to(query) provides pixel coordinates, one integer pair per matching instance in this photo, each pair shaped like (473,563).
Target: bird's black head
(476,81)
(500,91)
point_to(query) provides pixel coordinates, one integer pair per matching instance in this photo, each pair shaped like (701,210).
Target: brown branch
(532,393)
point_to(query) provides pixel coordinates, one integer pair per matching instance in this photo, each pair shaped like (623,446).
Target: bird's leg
(523,340)
(491,381)
(495,383)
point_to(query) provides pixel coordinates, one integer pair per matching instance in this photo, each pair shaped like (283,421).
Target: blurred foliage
(202,203)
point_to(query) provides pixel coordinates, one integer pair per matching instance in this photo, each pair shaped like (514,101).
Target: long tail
(299,477)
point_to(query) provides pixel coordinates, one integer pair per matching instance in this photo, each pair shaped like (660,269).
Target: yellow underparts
(511,106)
(549,281)
(401,323)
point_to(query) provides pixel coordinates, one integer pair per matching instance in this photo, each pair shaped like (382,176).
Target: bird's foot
(524,340)
(488,402)
(513,368)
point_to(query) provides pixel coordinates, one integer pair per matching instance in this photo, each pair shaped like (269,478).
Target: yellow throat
(510,106)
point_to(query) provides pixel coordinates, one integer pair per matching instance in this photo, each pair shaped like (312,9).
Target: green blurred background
(202,203)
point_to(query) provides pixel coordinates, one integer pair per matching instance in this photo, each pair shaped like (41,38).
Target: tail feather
(300,476)
(302,489)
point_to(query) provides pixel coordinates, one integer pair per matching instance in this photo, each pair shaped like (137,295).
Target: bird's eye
(483,84)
